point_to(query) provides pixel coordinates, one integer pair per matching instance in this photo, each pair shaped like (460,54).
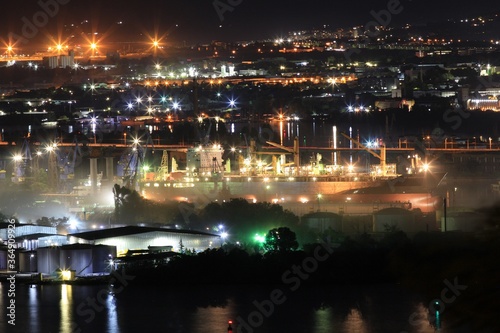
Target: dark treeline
(426,265)
(430,257)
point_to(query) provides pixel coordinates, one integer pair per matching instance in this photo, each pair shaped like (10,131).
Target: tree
(128,204)
(281,239)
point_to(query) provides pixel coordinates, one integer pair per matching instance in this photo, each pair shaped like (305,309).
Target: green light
(145,168)
(259,238)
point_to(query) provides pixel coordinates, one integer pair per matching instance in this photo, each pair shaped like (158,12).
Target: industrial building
(28,235)
(141,238)
(40,249)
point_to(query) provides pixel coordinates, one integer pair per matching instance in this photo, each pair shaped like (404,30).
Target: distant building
(204,160)
(66,61)
(27,235)
(252,72)
(60,61)
(483,104)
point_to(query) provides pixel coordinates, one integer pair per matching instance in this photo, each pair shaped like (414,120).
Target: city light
(51,147)
(66,275)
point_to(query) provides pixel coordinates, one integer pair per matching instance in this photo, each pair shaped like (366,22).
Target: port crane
(382,156)
(295,151)
(132,161)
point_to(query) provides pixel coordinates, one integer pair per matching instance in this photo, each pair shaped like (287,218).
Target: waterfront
(196,309)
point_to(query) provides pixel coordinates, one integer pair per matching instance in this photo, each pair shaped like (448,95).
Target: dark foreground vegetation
(443,267)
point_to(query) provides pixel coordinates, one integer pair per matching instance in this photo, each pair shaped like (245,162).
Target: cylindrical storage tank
(48,259)
(27,262)
(321,221)
(3,259)
(400,219)
(462,221)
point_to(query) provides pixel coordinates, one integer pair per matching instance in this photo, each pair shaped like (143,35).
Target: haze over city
(249,166)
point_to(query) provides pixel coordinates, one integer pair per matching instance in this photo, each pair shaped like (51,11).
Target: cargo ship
(207,179)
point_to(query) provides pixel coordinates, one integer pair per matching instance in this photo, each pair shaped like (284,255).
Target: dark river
(207,309)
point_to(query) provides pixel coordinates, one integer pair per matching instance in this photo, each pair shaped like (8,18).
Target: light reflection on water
(112,314)
(354,322)
(214,317)
(151,309)
(65,306)
(322,320)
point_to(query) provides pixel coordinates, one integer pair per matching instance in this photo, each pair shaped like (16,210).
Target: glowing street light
(9,49)
(93,48)
(49,149)
(17,158)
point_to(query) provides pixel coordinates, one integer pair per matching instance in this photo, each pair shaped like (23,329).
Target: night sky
(198,20)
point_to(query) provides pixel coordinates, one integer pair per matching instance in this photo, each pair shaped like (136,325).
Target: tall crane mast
(381,156)
(295,151)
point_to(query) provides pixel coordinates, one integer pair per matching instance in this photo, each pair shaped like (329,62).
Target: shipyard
(162,171)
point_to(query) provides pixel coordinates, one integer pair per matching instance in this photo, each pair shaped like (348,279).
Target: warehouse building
(141,238)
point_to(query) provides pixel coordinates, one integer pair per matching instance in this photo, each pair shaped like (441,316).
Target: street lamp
(319,198)
(93,46)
